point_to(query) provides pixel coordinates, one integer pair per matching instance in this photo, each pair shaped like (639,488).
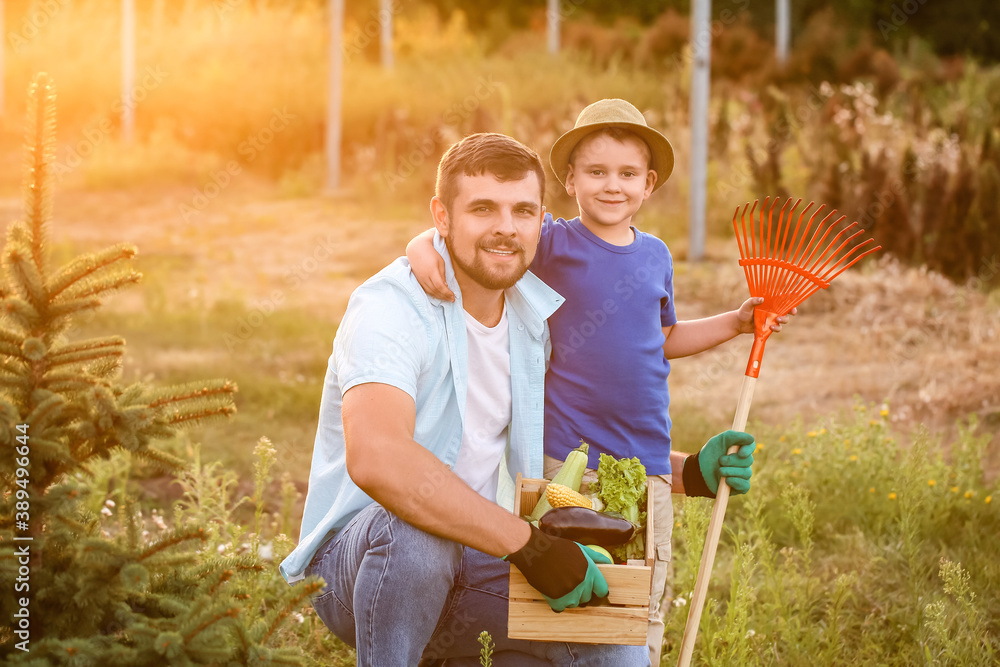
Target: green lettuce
(621,486)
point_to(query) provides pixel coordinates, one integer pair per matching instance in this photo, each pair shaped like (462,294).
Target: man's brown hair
(486,152)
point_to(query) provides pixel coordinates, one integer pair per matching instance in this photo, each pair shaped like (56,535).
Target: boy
(614,335)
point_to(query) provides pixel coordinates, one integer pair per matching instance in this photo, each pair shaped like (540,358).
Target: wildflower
(969,494)
(852,457)
(750,633)
(954,489)
(299,617)
(796,451)
(105,511)
(847,443)
(160,523)
(988,499)
(811,434)
(822,431)
(884,412)
(892,496)
(760,446)
(678,524)
(931,482)
(873,422)
(679,602)
(109,503)
(871,490)
(781,439)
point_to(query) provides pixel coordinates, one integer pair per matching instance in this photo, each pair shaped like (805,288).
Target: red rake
(785,264)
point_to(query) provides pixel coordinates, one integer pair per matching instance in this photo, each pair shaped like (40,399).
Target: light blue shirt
(393,333)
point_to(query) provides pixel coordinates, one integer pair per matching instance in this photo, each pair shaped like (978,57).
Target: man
(428,410)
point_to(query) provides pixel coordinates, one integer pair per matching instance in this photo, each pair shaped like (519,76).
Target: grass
(850,549)
(844,553)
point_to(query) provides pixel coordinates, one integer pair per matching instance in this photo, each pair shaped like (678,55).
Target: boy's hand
(704,471)
(428,266)
(745,315)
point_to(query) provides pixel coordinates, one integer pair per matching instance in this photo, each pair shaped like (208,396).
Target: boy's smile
(610,179)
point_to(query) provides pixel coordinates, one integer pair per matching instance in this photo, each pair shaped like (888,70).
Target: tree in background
(83,596)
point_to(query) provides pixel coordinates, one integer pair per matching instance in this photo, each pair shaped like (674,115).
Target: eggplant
(586,526)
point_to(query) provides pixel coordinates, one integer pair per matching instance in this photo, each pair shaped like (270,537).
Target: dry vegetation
(883,332)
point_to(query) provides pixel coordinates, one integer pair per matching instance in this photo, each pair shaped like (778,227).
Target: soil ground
(881,333)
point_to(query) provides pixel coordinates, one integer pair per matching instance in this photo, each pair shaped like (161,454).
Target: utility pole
(128,69)
(385,17)
(552,14)
(3,41)
(781,30)
(701,46)
(334,97)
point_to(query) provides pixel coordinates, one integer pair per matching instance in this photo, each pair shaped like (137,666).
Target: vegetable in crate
(586,526)
(563,496)
(570,474)
(621,485)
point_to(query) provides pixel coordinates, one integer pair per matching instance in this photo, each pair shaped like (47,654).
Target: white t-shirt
(487,406)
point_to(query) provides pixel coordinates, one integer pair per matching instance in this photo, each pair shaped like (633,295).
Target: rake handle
(714,533)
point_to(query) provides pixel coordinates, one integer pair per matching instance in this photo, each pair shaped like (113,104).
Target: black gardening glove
(560,569)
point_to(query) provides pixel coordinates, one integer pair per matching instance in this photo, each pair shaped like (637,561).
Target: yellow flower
(873,422)
(954,489)
(988,500)
(760,446)
(892,496)
(781,439)
(811,434)
(871,490)
(853,457)
(796,451)
(884,412)
(931,482)
(847,442)
(969,494)
(822,431)
(678,524)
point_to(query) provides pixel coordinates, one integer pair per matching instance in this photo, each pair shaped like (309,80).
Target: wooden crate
(621,620)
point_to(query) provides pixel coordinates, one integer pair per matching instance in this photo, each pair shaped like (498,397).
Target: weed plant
(849,550)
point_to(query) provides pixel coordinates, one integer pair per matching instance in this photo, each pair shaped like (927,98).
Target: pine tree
(81,596)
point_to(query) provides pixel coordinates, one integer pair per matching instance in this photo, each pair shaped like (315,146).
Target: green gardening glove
(703,471)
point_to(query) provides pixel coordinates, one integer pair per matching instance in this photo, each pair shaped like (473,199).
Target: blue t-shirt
(607,379)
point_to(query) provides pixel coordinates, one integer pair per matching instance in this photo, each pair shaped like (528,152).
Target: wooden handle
(714,532)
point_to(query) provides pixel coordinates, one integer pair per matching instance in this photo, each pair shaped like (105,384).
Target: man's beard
(485,276)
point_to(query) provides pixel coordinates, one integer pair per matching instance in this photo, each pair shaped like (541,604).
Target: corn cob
(563,496)
(570,474)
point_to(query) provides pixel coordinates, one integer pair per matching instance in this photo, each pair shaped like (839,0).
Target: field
(871,532)
(261,307)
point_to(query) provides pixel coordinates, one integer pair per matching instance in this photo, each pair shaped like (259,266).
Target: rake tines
(785,265)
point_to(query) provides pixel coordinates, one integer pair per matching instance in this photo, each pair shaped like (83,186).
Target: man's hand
(703,471)
(745,316)
(428,266)
(562,570)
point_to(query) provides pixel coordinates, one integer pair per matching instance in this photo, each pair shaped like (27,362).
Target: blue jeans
(399,595)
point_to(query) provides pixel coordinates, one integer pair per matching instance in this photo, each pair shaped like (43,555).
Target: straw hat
(613,113)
